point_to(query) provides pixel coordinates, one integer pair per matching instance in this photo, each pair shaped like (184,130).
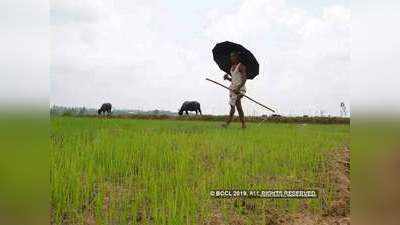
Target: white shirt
(236,78)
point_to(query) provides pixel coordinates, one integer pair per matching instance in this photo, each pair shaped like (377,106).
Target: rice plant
(127,171)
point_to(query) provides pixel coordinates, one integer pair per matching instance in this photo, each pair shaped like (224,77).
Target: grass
(119,171)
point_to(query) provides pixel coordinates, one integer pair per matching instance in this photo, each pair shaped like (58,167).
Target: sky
(154,54)
(24,58)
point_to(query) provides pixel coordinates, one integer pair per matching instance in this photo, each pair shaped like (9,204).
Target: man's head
(234,57)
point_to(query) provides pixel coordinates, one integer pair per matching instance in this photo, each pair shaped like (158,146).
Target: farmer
(237,87)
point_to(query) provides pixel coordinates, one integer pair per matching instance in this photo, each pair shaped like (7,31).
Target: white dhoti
(233,97)
(236,81)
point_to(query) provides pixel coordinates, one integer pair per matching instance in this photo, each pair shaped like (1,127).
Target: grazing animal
(189,106)
(276,116)
(106,107)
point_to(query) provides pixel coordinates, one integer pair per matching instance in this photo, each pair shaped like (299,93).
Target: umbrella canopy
(221,53)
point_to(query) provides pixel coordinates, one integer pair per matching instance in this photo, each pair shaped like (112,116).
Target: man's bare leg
(229,120)
(241,113)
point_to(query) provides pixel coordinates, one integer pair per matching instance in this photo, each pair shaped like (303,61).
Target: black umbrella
(221,54)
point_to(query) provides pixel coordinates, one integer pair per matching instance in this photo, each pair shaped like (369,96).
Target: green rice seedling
(132,171)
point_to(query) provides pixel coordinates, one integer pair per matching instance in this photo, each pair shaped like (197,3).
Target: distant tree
(82,111)
(68,113)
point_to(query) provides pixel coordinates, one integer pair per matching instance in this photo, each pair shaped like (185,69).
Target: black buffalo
(190,106)
(106,107)
(276,116)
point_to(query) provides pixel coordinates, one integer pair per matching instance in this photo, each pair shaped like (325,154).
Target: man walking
(237,88)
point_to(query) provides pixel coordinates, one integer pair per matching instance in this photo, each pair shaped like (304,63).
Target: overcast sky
(155,54)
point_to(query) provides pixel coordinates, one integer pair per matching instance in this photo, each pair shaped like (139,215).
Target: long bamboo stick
(215,82)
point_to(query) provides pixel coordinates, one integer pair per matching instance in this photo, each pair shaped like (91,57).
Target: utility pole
(343,111)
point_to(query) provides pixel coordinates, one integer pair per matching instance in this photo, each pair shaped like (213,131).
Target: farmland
(136,171)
